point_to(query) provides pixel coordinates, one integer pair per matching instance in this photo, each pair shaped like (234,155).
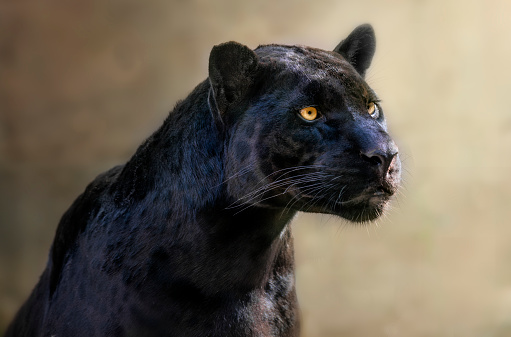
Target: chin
(365,214)
(364,208)
(365,211)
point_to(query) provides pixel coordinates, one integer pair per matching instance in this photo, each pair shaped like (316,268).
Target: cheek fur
(242,150)
(292,149)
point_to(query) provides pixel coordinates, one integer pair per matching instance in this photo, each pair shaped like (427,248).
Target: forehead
(305,60)
(313,66)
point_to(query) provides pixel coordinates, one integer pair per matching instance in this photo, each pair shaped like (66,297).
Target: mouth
(357,200)
(370,196)
(366,206)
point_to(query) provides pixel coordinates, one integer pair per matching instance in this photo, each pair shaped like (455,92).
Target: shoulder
(76,218)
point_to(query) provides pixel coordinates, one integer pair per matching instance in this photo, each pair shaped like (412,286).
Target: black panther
(192,236)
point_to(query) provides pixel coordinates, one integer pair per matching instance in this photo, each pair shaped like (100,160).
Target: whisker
(258,202)
(300,194)
(282,181)
(306,177)
(307,190)
(247,168)
(289,170)
(293,182)
(274,185)
(314,199)
(241,172)
(331,199)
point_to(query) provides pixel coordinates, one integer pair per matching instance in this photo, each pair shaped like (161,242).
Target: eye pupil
(309,113)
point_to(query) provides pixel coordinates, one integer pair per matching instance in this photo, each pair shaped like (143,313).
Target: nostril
(373,157)
(380,161)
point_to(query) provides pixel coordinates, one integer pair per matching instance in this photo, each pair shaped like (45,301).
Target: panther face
(307,133)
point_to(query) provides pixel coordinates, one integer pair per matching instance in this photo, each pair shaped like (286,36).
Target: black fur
(358,48)
(191,237)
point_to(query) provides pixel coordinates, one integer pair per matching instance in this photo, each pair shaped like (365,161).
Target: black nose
(380,159)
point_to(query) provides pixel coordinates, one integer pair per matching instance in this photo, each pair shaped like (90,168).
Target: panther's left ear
(358,48)
(231,69)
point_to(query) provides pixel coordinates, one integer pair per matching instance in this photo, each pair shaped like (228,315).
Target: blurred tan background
(82,83)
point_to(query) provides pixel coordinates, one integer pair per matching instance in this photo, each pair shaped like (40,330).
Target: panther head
(303,131)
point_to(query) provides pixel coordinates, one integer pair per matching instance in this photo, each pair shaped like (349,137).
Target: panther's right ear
(231,69)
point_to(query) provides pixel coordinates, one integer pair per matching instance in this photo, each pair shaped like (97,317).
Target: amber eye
(310,113)
(373,110)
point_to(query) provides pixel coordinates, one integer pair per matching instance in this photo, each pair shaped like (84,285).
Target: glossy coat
(191,237)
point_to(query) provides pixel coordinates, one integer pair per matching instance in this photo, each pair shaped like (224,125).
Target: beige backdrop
(82,83)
